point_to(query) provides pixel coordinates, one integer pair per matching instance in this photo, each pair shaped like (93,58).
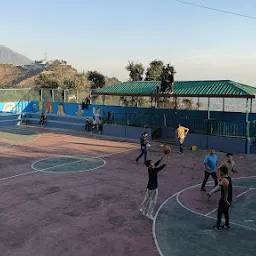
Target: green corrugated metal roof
(220,87)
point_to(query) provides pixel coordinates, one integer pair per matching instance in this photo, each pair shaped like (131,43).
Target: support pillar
(53,96)
(209,109)
(247,142)
(41,98)
(64,96)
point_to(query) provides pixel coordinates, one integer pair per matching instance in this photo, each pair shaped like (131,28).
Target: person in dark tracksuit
(149,203)
(225,200)
(143,147)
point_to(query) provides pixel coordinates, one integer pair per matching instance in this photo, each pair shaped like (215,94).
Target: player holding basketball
(181,134)
(225,200)
(143,146)
(229,164)
(149,202)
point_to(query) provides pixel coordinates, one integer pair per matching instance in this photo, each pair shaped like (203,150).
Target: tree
(136,71)
(97,79)
(155,71)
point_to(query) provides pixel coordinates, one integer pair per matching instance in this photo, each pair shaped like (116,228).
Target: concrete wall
(225,144)
(122,131)
(9,120)
(121,113)
(15,107)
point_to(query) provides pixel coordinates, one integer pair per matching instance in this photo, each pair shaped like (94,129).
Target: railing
(195,124)
(12,95)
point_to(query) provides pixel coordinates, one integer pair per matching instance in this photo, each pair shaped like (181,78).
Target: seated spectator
(24,119)
(94,124)
(43,119)
(87,124)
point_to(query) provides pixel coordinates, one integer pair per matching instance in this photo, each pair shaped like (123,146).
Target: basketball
(166,150)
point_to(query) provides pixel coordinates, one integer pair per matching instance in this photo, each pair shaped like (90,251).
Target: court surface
(64,193)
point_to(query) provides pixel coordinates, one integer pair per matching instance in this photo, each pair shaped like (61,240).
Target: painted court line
(203,215)
(18,175)
(197,213)
(214,210)
(80,160)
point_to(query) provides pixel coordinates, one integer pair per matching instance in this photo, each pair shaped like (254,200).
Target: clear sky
(104,35)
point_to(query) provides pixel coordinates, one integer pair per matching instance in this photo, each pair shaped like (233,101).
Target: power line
(216,10)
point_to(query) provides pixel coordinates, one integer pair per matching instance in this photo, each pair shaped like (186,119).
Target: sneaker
(225,226)
(209,195)
(216,228)
(137,160)
(203,189)
(150,217)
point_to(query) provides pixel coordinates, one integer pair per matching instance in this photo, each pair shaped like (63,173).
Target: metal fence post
(64,100)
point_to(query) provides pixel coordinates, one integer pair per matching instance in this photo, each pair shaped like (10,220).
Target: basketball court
(67,193)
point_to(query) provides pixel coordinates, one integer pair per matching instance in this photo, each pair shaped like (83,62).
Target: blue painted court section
(68,164)
(181,232)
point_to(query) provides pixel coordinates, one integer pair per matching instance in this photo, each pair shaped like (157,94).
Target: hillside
(53,75)
(8,56)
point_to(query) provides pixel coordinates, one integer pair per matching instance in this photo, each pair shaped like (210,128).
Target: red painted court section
(90,213)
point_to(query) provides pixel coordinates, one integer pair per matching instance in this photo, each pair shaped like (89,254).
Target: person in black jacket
(149,202)
(225,200)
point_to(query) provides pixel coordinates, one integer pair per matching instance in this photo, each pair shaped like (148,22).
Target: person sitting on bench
(43,119)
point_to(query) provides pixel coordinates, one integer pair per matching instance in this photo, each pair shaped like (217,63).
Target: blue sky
(104,35)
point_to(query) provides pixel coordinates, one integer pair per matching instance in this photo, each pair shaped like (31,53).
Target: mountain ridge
(8,56)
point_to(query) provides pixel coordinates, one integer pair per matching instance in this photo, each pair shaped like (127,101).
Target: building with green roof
(208,89)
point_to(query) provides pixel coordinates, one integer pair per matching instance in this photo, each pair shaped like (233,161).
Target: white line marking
(176,194)
(58,165)
(243,193)
(18,175)
(104,162)
(7,178)
(80,159)
(198,213)
(209,213)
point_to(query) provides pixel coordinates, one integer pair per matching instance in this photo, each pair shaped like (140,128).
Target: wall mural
(48,107)
(79,110)
(61,111)
(9,107)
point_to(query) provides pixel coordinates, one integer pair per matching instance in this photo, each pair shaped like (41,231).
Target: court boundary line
(236,197)
(81,159)
(197,213)
(31,172)
(17,175)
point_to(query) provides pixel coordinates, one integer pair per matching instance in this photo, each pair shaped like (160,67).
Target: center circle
(68,164)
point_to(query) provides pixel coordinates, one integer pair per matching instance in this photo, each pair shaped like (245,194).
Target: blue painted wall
(121,113)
